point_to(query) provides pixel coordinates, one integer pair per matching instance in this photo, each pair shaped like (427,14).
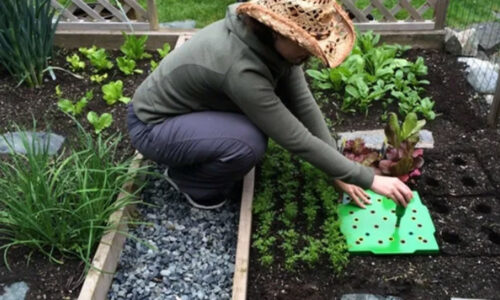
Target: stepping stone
(15,291)
(375,138)
(40,140)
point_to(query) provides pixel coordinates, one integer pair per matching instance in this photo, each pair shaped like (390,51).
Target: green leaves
(75,109)
(98,78)
(134,47)
(127,66)
(164,51)
(407,132)
(99,59)
(375,73)
(99,122)
(27,30)
(75,62)
(113,92)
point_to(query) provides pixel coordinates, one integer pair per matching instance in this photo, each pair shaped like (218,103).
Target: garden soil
(460,185)
(21,106)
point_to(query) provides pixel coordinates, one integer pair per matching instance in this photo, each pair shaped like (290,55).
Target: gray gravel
(196,250)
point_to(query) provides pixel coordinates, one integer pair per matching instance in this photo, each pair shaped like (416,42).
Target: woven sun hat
(320,26)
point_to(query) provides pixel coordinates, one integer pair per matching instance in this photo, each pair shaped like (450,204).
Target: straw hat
(320,26)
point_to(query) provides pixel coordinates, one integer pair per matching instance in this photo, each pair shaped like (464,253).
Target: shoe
(211,203)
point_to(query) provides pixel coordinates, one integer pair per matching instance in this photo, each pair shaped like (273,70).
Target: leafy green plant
(58,91)
(76,108)
(127,66)
(154,65)
(98,78)
(134,47)
(27,30)
(164,51)
(113,91)
(60,205)
(402,159)
(99,59)
(99,122)
(87,52)
(75,62)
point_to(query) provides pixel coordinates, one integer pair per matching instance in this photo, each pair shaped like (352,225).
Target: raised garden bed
(459,185)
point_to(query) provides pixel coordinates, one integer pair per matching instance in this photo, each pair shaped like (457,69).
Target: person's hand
(393,188)
(356,193)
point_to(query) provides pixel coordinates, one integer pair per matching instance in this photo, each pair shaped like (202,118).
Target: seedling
(75,109)
(113,92)
(99,59)
(374,229)
(75,62)
(127,66)
(154,65)
(99,122)
(134,47)
(87,51)
(164,51)
(98,78)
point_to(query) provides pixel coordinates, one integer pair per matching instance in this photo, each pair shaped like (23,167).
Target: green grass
(203,12)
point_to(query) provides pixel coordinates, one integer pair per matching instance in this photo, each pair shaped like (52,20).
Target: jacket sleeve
(294,91)
(253,92)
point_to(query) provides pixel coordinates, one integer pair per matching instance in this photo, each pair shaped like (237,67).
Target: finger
(363,195)
(357,201)
(399,197)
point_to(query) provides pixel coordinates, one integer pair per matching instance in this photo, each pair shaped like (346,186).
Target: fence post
(152,15)
(495,106)
(440,13)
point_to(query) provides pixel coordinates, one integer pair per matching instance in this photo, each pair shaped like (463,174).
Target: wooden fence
(129,15)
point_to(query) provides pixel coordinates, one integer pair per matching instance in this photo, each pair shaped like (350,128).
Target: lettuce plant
(401,158)
(154,65)
(99,59)
(76,108)
(164,51)
(356,150)
(127,66)
(113,92)
(87,51)
(134,47)
(75,62)
(98,78)
(99,122)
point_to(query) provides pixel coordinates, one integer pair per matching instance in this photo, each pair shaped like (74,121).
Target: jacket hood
(268,54)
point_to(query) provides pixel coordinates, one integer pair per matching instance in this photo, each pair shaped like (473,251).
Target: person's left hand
(357,194)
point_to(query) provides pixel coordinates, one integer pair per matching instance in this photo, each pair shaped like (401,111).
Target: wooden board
(244,239)
(97,283)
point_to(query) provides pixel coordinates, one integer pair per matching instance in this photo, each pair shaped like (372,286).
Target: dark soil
(21,105)
(460,184)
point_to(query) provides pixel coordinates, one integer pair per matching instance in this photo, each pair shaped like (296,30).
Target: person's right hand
(393,188)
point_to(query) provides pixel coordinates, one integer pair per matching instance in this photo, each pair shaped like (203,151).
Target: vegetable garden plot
(456,174)
(466,225)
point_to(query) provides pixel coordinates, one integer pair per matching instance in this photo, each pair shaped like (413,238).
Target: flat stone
(40,140)
(15,291)
(489,99)
(463,43)
(367,297)
(482,75)
(488,35)
(375,138)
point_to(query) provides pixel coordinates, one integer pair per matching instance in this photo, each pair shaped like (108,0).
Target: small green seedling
(127,66)
(58,91)
(87,51)
(164,51)
(134,47)
(76,108)
(98,78)
(99,122)
(154,65)
(113,92)
(75,62)
(99,59)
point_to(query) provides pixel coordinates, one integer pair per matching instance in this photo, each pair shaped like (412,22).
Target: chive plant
(27,31)
(60,205)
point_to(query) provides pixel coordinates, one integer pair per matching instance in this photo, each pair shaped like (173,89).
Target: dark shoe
(211,203)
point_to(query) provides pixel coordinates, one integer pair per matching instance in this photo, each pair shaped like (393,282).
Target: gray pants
(207,152)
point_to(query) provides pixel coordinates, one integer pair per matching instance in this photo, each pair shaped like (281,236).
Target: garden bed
(460,185)
(21,106)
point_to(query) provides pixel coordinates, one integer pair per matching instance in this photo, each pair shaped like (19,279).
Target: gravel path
(196,249)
